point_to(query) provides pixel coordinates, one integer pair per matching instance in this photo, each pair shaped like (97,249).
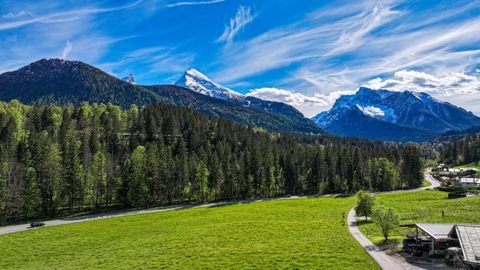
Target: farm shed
(431,239)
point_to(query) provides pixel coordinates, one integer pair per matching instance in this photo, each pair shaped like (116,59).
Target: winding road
(383,260)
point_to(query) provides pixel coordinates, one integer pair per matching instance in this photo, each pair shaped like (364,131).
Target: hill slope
(393,116)
(56,81)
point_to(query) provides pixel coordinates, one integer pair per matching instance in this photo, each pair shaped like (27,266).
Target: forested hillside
(58,160)
(461,151)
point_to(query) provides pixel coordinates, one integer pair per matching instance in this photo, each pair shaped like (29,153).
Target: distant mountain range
(393,116)
(56,81)
(371,114)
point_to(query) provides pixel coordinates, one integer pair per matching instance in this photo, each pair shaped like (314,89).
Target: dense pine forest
(461,151)
(62,160)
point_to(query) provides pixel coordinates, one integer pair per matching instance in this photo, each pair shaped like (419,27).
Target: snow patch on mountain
(372,111)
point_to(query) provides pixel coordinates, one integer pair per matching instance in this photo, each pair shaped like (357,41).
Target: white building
(469,182)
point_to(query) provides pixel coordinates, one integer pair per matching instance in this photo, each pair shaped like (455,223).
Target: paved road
(385,261)
(56,222)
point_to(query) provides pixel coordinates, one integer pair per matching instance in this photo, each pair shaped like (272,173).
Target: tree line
(57,160)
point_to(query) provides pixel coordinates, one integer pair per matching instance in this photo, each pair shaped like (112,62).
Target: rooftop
(469,237)
(437,231)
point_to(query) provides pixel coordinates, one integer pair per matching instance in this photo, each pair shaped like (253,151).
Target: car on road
(36,224)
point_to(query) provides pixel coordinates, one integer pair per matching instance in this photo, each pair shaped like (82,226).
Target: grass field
(286,234)
(426,207)
(471,165)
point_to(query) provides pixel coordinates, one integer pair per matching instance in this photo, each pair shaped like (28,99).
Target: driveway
(383,260)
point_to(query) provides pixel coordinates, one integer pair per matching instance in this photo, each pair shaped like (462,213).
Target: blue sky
(305,53)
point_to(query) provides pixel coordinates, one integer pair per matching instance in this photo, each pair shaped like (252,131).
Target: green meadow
(423,207)
(284,234)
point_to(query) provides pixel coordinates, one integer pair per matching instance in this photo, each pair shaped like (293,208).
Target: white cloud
(308,105)
(66,50)
(191,3)
(457,87)
(449,84)
(355,32)
(243,17)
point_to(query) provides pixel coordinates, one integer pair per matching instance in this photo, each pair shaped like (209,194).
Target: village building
(436,239)
(469,182)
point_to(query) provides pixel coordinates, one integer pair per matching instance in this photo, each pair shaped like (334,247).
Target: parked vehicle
(36,224)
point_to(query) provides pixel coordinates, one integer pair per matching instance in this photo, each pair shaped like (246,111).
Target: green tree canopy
(386,219)
(365,203)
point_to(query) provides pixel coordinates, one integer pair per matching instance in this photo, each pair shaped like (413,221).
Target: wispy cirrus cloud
(193,3)
(339,48)
(67,49)
(57,17)
(311,40)
(243,17)
(22,13)
(27,37)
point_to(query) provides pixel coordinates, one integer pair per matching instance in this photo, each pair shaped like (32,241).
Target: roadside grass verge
(422,207)
(425,183)
(283,234)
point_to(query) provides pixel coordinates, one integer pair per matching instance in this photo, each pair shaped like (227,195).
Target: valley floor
(281,234)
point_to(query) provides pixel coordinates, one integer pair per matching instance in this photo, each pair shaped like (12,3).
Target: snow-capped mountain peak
(198,82)
(197,74)
(393,115)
